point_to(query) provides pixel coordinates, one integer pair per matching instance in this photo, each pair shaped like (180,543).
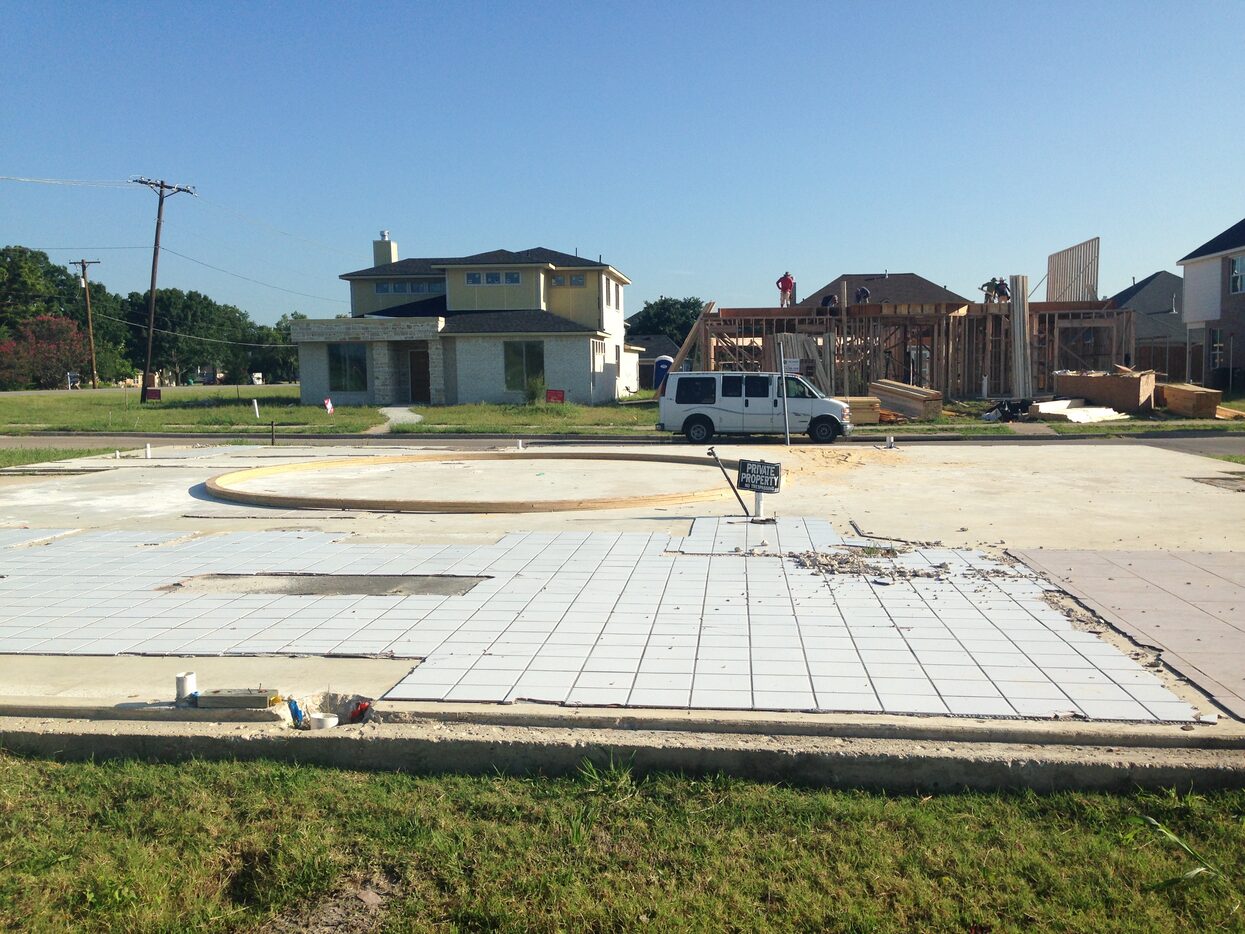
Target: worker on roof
(1001,292)
(862,296)
(990,289)
(786,286)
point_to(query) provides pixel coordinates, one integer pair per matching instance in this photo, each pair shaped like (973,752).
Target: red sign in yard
(555,395)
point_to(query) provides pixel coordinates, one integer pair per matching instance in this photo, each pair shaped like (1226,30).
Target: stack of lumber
(1073,410)
(1125,390)
(1222,412)
(1192,401)
(866,410)
(912,401)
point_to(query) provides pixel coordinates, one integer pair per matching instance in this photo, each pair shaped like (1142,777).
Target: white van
(703,404)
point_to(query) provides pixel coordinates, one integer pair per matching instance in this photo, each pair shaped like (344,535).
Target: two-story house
(1214,303)
(501,326)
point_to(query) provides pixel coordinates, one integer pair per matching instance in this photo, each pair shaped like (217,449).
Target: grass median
(20,457)
(182,409)
(537,418)
(231,846)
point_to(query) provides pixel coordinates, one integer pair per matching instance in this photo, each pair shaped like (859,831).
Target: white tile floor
(719,619)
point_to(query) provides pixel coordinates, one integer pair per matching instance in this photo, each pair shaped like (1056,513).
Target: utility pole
(163,189)
(90,327)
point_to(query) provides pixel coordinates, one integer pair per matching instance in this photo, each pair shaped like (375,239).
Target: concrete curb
(1224,735)
(902,767)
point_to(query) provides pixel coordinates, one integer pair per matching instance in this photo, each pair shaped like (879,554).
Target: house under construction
(913,331)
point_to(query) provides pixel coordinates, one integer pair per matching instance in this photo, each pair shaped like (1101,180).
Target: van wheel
(698,430)
(824,431)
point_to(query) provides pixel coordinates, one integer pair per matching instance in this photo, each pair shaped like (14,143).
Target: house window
(557,280)
(473,278)
(513,278)
(492,278)
(419,286)
(1236,279)
(1214,348)
(347,367)
(382,288)
(607,290)
(578,281)
(437,286)
(617,295)
(400,287)
(524,362)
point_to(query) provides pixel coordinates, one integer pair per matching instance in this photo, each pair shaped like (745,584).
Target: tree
(673,317)
(42,351)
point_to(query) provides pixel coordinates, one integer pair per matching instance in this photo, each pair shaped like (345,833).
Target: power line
(238,275)
(76,182)
(164,190)
(196,337)
(267,226)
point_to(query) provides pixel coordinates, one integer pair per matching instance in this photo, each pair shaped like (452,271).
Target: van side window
(756,387)
(696,390)
(797,390)
(732,387)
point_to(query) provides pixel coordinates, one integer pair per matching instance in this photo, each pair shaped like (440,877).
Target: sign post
(761,477)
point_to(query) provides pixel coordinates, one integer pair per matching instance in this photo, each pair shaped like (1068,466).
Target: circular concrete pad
(477,482)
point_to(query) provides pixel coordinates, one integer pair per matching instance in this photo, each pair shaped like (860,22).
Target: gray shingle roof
(416,266)
(427,308)
(1230,239)
(655,345)
(896,288)
(1151,301)
(511,322)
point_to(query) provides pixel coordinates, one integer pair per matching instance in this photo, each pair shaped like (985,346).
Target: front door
(421,383)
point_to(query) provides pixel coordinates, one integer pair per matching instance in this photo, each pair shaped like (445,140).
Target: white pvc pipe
(185,685)
(323,721)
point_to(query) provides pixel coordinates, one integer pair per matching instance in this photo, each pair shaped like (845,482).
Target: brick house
(490,327)
(1214,304)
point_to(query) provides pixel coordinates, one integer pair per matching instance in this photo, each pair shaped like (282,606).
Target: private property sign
(759,476)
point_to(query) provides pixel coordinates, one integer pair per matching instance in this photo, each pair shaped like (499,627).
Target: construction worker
(990,290)
(1001,292)
(786,285)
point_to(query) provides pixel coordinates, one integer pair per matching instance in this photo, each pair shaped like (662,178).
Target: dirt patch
(356,908)
(366,585)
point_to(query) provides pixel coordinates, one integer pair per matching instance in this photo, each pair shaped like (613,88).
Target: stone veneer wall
(388,363)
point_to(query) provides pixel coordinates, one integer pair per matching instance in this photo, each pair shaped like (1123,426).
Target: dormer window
(492,278)
(513,278)
(382,288)
(474,278)
(557,280)
(578,281)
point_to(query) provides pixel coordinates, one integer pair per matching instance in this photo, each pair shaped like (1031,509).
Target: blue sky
(702,148)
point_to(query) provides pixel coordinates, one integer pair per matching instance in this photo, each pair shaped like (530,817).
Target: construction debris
(1221,411)
(1073,410)
(1125,390)
(913,401)
(1192,401)
(866,410)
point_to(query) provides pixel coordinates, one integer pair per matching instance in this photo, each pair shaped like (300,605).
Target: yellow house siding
(364,300)
(581,304)
(502,297)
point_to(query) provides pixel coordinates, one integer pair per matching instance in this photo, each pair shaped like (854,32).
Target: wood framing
(959,349)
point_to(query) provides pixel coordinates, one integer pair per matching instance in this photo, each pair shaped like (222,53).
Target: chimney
(384,250)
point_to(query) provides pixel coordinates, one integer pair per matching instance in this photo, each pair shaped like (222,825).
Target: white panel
(1201,290)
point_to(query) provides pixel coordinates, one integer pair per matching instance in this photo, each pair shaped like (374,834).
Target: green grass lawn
(1141,425)
(18,457)
(1231,458)
(539,418)
(226,846)
(203,409)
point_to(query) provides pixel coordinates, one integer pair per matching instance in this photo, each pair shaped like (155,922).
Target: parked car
(701,405)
